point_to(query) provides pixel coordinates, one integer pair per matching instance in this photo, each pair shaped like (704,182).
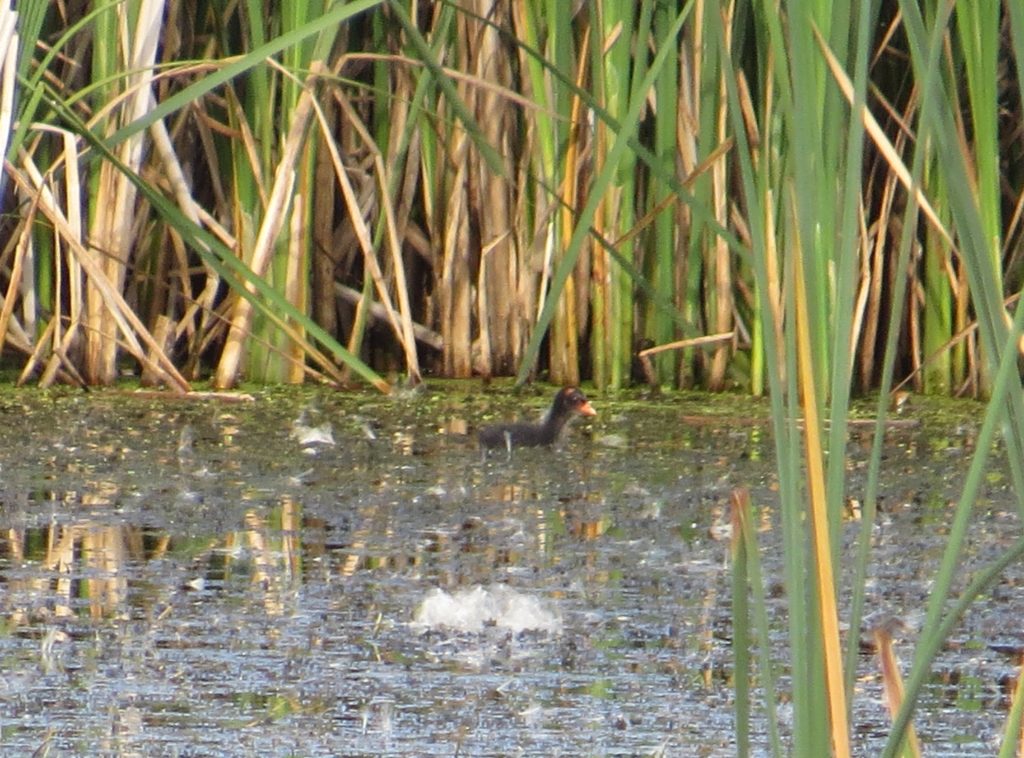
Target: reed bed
(479,189)
(806,200)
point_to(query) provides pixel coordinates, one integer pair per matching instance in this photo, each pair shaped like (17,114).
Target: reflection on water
(209,579)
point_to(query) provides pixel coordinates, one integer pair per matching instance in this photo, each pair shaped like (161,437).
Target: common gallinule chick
(567,402)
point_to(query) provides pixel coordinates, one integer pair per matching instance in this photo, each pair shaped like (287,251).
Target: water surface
(203,577)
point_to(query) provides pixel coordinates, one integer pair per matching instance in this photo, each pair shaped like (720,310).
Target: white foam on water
(471,610)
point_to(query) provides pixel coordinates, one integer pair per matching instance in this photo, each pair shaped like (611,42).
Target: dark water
(245,594)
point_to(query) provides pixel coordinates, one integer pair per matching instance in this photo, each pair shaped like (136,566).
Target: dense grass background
(494,189)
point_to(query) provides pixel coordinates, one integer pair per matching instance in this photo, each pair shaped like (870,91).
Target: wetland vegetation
(804,202)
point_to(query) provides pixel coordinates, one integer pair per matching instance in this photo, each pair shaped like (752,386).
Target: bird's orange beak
(587,409)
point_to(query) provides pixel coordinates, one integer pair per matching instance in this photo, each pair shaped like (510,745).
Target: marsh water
(318,573)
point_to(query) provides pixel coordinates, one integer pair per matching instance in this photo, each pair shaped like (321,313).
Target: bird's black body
(568,401)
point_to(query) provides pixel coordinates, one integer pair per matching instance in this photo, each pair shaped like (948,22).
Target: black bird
(567,402)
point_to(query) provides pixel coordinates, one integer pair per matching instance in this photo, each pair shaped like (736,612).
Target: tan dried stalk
(498,260)
(111,236)
(720,259)
(295,289)
(63,340)
(892,683)
(455,293)
(401,322)
(273,219)
(20,250)
(121,315)
(863,286)
(875,257)
(9,42)
(175,176)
